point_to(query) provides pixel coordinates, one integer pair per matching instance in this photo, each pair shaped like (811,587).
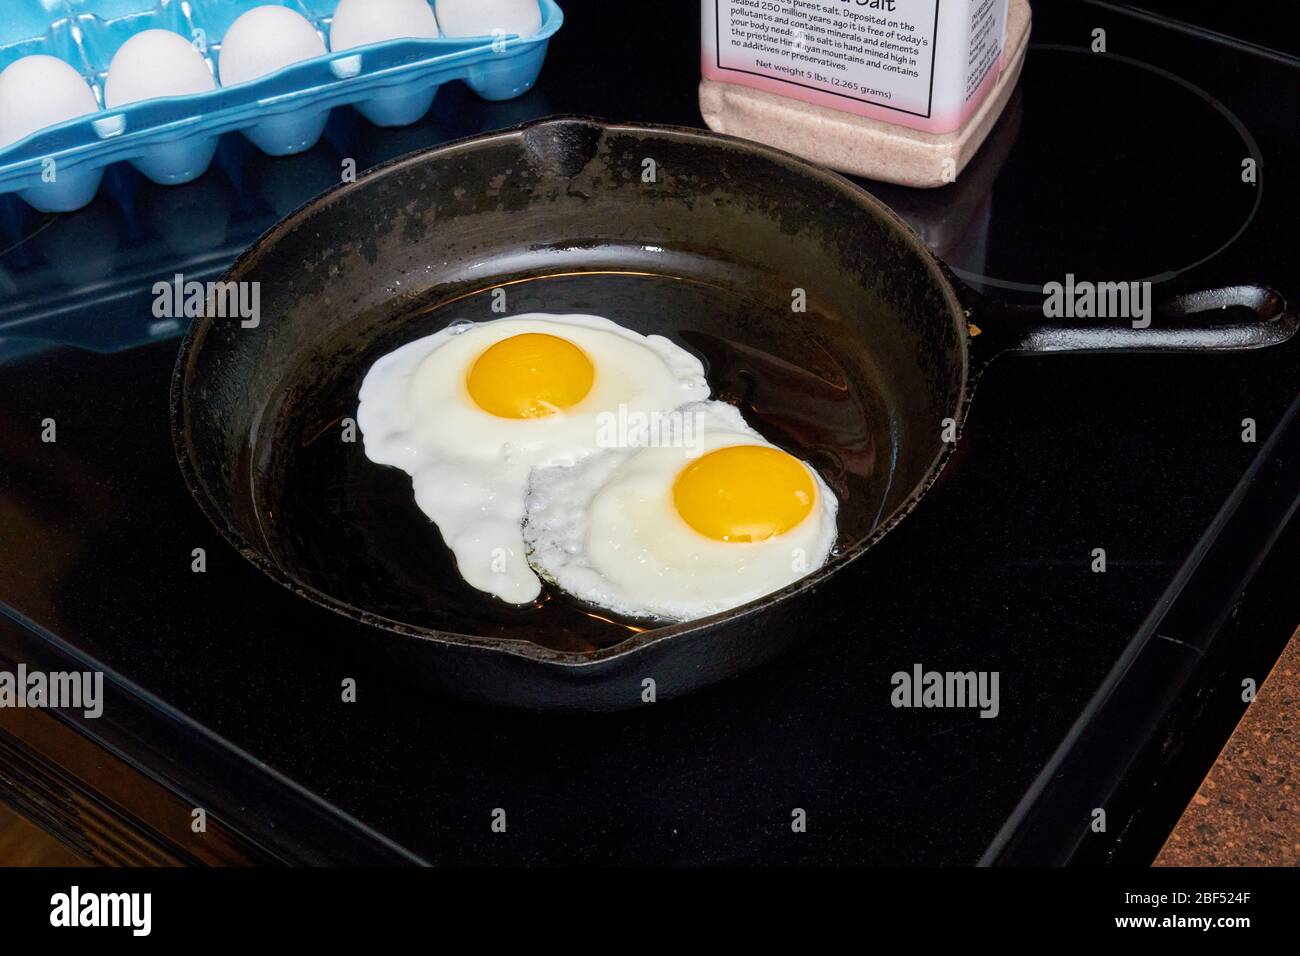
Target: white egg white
(263,40)
(606,530)
(156,63)
(480,18)
(359,22)
(470,468)
(38,91)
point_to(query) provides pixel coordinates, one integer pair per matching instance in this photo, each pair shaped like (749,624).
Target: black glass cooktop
(1115,687)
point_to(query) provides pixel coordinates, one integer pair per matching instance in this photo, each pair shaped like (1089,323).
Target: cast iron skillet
(697,236)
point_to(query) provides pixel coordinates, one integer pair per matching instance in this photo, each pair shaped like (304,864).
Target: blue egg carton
(172,139)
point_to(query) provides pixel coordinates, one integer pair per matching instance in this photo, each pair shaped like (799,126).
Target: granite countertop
(1247,810)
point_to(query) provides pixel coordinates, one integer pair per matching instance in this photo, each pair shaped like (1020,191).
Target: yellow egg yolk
(744,493)
(530,376)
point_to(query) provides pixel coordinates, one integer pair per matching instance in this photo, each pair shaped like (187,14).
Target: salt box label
(920,63)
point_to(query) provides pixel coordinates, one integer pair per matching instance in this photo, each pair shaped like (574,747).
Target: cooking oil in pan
(351,529)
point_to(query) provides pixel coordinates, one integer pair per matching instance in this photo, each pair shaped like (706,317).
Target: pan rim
(571,662)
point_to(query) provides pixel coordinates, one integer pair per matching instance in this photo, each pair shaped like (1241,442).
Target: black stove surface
(1120,166)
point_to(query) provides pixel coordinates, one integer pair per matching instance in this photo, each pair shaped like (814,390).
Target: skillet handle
(1230,319)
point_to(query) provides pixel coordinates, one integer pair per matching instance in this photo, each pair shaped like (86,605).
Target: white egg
(39,91)
(156,63)
(447,410)
(263,40)
(620,531)
(477,18)
(358,22)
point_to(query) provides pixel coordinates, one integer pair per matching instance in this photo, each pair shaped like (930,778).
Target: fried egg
(710,517)
(469,411)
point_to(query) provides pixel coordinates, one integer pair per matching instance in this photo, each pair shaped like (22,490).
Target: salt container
(897,90)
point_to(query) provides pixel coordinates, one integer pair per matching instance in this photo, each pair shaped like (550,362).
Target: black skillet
(700,237)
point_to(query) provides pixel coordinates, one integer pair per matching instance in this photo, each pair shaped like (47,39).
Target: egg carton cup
(172,139)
